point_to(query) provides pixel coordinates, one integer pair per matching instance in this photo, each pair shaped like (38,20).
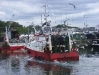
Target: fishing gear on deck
(60,43)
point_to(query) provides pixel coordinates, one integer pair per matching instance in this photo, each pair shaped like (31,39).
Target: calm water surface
(88,64)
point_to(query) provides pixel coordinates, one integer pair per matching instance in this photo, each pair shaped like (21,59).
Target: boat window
(36,37)
(42,38)
(47,30)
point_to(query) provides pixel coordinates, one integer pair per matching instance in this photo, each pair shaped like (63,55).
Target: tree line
(22,29)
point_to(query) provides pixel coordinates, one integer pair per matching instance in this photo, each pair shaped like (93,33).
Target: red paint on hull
(16,47)
(12,49)
(66,56)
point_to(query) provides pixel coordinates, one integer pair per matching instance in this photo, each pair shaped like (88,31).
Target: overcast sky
(27,11)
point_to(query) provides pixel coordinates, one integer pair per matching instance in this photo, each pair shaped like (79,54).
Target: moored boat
(12,40)
(51,47)
(95,45)
(43,50)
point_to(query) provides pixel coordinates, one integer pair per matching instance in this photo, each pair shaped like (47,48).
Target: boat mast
(70,44)
(8,30)
(34,27)
(41,18)
(10,23)
(7,39)
(46,15)
(86,21)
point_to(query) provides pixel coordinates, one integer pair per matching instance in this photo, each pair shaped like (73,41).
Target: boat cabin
(13,33)
(40,37)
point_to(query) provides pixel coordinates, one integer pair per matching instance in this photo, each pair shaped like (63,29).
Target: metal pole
(28,32)
(86,21)
(41,18)
(70,44)
(28,28)
(45,13)
(10,23)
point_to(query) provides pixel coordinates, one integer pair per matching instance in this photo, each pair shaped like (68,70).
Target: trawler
(50,47)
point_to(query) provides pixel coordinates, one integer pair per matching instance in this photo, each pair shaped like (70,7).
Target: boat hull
(66,56)
(11,49)
(16,48)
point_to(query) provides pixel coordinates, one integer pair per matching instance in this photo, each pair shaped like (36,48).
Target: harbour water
(88,64)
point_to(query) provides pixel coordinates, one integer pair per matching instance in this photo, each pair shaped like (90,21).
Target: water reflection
(4,55)
(47,69)
(12,64)
(15,65)
(18,64)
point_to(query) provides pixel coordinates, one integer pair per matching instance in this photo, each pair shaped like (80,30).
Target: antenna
(47,23)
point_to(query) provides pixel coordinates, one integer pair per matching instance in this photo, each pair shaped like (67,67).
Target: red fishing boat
(12,40)
(50,47)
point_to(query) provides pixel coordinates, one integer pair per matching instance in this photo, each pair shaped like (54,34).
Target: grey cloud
(31,9)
